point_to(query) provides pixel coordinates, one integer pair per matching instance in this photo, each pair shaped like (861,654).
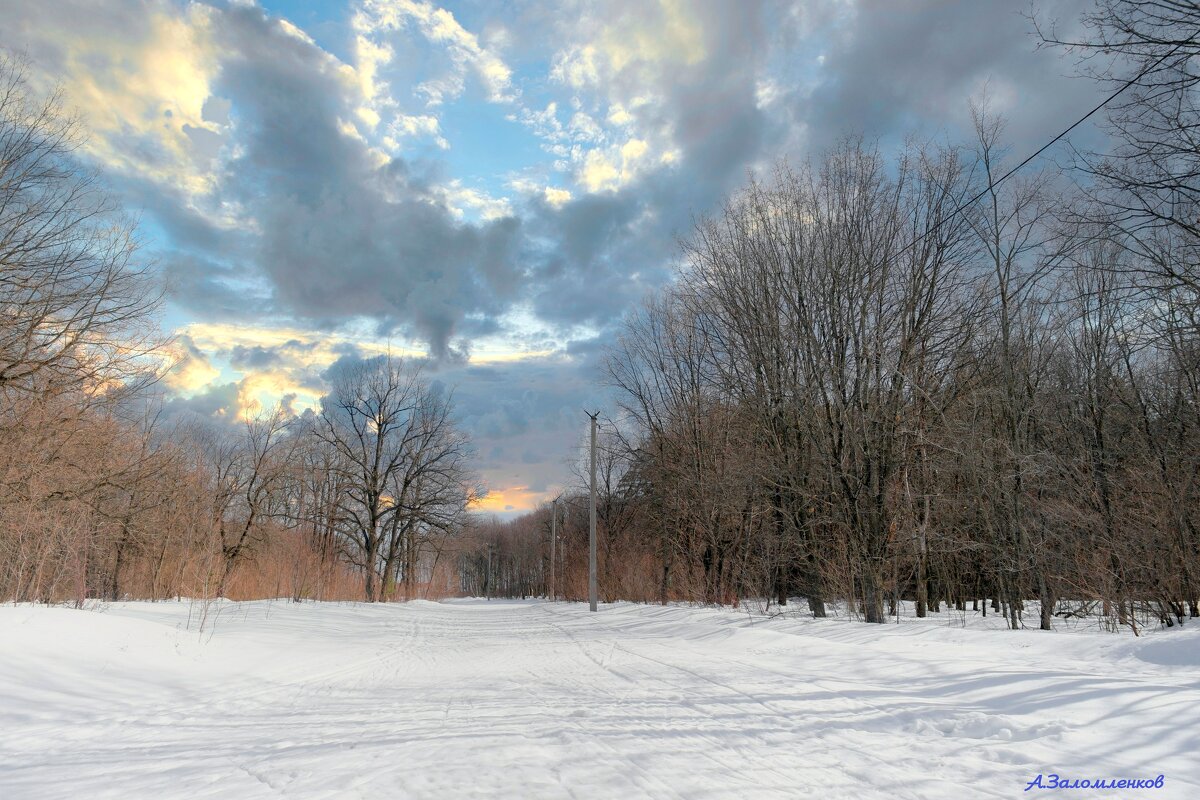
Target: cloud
(247,142)
(346,234)
(417,125)
(439,26)
(556,197)
(508,499)
(314,197)
(190,368)
(632,41)
(138,74)
(219,402)
(887,69)
(523,417)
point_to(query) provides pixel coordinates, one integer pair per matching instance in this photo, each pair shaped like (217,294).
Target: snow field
(470,699)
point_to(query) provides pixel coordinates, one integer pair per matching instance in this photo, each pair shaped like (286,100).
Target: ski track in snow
(544,700)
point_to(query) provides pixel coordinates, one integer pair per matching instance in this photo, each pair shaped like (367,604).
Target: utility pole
(593,592)
(553,542)
(488,581)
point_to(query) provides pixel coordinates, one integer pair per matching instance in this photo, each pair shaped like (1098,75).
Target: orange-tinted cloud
(510,500)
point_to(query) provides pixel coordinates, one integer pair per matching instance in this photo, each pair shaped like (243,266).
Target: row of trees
(916,378)
(536,555)
(368,492)
(855,392)
(377,479)
(101,497)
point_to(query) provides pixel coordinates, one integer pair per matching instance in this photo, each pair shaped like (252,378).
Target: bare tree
(1146,182)
(247,471)
(431,490)
(403,464)
(76,304)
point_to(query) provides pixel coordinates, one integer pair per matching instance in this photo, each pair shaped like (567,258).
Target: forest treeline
(103,496)
(880,378)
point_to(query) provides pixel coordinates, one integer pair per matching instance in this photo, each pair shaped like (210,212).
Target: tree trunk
(872,586)
(1047,602)
(922,589)
(114,585)
(226,569)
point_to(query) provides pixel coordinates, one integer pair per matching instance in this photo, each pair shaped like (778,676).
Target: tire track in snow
(749,773)
(853,705)
(523,633)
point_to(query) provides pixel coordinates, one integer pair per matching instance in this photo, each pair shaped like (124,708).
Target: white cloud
(459,198)
(295,33)
(552,195)
(556,197)
(418,125)
(616,63)
(440,27)
(269,363)
(189,368)
(661,37)
(611,168)
(348,128)
(369,56)
(583,127)
(140,86)
(618,115)
(577,66)
(766,92)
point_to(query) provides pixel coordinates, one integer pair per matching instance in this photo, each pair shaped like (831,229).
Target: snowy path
(535,700)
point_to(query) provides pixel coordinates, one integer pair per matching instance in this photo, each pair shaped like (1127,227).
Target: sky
(487,186)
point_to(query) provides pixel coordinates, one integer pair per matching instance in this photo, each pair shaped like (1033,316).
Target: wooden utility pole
(553,544)
(488,579)
(593,592)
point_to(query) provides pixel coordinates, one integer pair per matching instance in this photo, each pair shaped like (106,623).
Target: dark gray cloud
(901,67)
(210,287)
(340,237)
(257,357)
(887,70)
(606,251)
(532,407)
(217,402)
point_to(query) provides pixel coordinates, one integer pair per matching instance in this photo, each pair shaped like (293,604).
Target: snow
(544,700)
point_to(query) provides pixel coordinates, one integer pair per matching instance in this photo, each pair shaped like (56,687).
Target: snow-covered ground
(540,700)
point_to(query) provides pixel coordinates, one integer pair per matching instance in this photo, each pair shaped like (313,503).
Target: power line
(1048,144)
